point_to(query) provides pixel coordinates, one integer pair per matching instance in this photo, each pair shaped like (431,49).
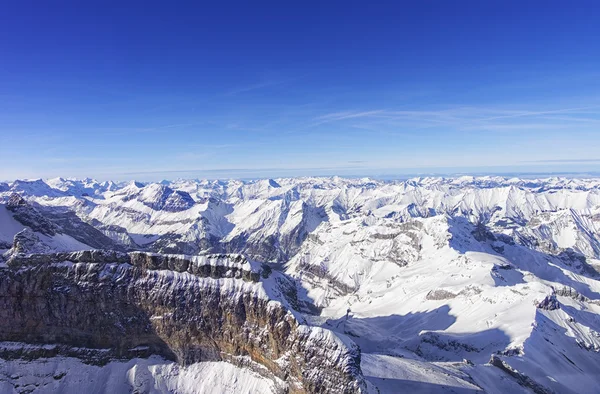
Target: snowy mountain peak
(162,198)
(421,274)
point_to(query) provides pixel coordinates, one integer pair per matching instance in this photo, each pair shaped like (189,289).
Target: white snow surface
(9,227)
(400,267)
(152,376)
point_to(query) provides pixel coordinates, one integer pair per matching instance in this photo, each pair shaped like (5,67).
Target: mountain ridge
(484,279)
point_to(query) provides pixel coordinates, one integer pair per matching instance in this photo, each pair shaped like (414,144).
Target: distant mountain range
(471,284)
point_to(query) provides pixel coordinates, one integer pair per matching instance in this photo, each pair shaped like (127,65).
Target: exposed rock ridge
(523,380)
(214,266)
(29,216)
(185,308)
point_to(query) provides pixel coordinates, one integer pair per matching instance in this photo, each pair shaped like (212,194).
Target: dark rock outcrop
(522,379)
(440,294)
(69,223)
(163,198)
(549,303)
(50,222)
(26,241)
(187,309)
(481,233)
(29,216)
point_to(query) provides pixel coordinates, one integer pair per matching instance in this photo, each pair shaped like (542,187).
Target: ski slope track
(428,285)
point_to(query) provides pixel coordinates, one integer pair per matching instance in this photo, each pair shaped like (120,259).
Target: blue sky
(153,90)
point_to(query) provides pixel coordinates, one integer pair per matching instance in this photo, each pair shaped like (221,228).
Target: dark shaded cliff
(109,305)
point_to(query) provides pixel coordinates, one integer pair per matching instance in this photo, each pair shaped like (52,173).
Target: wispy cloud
(349,115)
(169,126)
(564,161)
(525,126)
(162,128)
(239,170)
(539,113)
(257,86)
(464,118)
(337,116)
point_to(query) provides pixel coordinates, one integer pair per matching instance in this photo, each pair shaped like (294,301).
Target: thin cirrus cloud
(565,161)
(466,118)
(249,88)
(260,85)
(238,170)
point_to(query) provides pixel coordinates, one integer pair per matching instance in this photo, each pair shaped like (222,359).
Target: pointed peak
(273,183)
(136,184)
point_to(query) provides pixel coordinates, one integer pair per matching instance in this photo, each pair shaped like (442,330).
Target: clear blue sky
(153,90)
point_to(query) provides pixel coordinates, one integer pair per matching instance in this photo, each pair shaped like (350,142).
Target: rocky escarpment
(30,217)
(51,222)
(105,305)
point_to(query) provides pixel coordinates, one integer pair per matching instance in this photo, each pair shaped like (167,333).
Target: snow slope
(9,227)
(429,276)
(152,376)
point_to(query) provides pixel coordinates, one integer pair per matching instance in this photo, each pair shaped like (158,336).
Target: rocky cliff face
(30,217)
(105,305)
(50,222)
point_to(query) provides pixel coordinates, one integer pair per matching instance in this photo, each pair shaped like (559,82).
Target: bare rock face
(29,216)
(440,294)
(549,303)
(163,198)
(49,223)
(26,241)
(115,305)
(520,378)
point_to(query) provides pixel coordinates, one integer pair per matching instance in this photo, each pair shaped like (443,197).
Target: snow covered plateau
(427,285)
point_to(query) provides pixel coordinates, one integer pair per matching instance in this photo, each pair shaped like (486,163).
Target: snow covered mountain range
(471,284)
